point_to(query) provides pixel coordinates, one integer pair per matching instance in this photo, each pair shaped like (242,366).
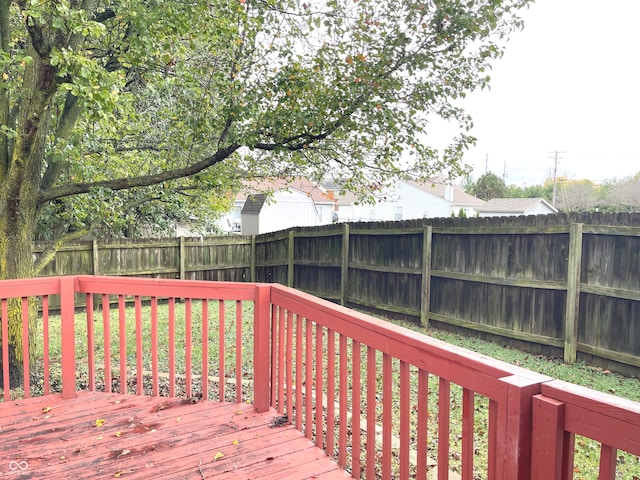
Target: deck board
(152,437)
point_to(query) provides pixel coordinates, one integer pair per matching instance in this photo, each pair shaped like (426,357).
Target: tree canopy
(489,186)
(111,106)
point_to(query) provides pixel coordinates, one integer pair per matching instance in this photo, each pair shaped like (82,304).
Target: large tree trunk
(16,261)
(19,188)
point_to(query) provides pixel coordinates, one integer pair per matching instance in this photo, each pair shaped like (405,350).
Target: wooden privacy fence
(557,283)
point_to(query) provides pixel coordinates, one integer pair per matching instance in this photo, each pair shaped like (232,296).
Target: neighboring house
(409,200)
(504,207)
(276,205)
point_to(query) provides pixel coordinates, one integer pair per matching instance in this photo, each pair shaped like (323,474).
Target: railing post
(547,438)
(67,321)
(261,348)
(515,459)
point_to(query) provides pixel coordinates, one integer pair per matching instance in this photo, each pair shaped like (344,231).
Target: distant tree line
(615,195)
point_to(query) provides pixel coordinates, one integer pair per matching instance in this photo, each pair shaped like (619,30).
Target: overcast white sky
(570,81)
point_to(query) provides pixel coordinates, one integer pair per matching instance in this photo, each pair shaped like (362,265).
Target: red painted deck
(99,435)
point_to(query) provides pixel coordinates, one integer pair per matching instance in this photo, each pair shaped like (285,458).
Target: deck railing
(382,400)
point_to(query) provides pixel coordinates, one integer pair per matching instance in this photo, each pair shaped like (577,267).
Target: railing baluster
(221,350)
(204,382)
(405,410)
(308,392)
(289,360)
(319,385)
(154,347)
(91,367)
(493,439)
(106,329)
(423,419)
(25,348)
(608,460)
(344,390)
(139,335)
(239,328)
(274,355)
(331,391)
(123,343)
(356,454)
(172,347)
(45,343)
(468,397)
(299,370)
(444,415)
(371,413)
(387,414)
(187,349)
(280,364)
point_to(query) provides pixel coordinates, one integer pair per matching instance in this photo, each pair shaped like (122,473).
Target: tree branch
(50,252)
(140,181)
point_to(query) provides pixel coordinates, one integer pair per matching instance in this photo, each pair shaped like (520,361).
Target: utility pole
(555,174)
(486,163)
(504,173)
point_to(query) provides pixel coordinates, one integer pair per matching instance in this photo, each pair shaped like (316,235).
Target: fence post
(252,268)
(290,260)
(261,348)
(182,260)
(425,304)
(67,325)
(344,273)
(96,257)
(573,293)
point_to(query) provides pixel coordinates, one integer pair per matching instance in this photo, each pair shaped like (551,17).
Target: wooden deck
(99,435)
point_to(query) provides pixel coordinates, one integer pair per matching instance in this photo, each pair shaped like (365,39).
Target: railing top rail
(476,371)
(28,287)
(152,287)
(594,401)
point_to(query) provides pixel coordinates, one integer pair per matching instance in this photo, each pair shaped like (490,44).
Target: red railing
(382,400)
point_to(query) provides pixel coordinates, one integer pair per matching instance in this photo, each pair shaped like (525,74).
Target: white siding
(412,201)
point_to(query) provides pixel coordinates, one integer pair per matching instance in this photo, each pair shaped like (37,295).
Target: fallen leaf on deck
(99,422)
(118,433)
(124,452)
(218,456)
(235,442)
(46,409)
(122,472)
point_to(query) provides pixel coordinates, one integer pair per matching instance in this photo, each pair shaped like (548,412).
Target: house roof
(315,191)
(437,187)
(514,205)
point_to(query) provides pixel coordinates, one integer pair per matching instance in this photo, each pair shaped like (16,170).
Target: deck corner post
(67,320)
(547,453)
(515,451)
(261,348)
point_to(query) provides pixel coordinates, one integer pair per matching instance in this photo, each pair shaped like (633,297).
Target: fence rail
(560,284)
